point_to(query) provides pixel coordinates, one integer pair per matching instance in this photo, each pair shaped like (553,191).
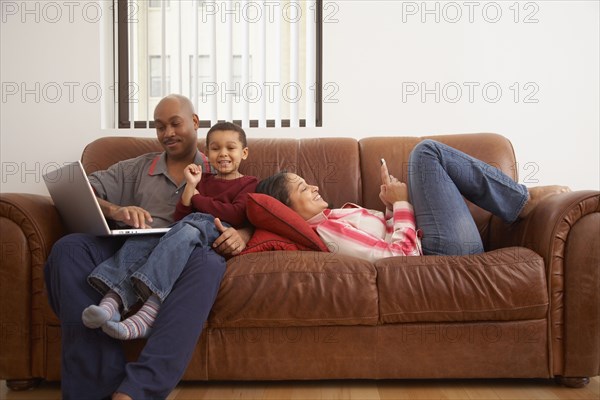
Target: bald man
(139,192)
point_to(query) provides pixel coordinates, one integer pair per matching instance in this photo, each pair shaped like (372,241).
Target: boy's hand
(230,243)
(192,174)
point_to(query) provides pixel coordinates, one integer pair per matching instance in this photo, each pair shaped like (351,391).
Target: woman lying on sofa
(438,178)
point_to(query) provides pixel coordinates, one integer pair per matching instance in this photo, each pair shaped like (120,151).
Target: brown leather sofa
(528,308)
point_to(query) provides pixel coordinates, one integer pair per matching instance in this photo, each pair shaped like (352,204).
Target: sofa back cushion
(492,148)
(346,170)
(331,163)
(104,152)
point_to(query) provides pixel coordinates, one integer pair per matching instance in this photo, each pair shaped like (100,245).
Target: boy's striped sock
(138,325)
(108,310)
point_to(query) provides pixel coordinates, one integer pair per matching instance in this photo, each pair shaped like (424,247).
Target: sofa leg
(572,382)
(22,384)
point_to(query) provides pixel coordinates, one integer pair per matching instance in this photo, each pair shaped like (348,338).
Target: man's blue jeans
(93,364)
(438,178)
(153,260)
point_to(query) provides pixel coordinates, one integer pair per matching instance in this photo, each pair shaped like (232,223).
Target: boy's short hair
(228,126)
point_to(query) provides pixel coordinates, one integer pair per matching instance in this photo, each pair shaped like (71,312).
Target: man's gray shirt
(144,182)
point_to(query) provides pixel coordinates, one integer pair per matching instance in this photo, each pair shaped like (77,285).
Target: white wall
(376,55)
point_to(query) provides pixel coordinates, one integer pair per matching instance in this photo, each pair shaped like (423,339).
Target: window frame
(123,95)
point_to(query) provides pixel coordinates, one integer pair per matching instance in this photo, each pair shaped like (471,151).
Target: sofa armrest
(551,219)
(29,226)
(565,230)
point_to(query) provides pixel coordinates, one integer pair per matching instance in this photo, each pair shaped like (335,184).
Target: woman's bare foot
(539,193)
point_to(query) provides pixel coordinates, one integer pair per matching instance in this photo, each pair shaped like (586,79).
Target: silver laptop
(78,206)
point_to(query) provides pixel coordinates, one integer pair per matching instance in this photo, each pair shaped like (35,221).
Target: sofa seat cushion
(501,285)
(296,288)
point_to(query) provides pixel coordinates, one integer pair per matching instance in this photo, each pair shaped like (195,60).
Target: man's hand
(132,216)
(232,241)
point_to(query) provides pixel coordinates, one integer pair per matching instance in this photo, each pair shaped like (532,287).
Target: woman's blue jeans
(153,260)
(438,178)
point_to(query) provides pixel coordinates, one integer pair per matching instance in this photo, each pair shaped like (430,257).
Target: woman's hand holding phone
(391,189)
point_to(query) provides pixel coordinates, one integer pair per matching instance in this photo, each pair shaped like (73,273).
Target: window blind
(256,63)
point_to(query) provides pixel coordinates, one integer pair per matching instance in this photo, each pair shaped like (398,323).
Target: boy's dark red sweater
(223,199)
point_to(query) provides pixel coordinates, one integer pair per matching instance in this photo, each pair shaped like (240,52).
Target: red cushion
(268,241)
(269,214)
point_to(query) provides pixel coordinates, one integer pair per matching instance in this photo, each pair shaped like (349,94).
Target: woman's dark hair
(276,186)
(227,126)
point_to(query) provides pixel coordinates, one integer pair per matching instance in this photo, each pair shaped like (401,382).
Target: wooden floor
(357,390)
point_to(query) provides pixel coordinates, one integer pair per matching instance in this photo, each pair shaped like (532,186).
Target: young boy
(147,267)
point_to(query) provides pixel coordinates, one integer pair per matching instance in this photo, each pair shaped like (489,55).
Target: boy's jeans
(153,260)
(438,178)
